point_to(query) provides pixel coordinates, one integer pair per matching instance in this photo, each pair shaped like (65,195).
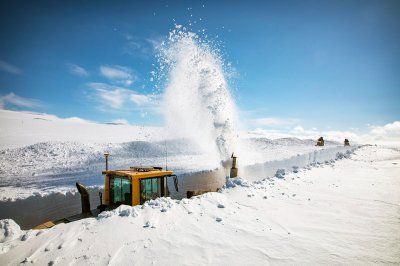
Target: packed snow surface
(344,211)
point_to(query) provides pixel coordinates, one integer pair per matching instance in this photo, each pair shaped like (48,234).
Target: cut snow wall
(38,209)
(260,171)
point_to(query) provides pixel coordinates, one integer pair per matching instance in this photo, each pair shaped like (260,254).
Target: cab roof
(140,172)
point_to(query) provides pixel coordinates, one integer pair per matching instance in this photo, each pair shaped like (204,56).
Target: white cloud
(15,100)
(336,135)
(119,75)
(116,72)
(388,130)
(140,99)
(274,121)
(119,98)
(77,70)
(7,67)
(114,98)
(267,133)
(127,82)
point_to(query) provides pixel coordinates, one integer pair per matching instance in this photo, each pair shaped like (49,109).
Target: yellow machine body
(320,142)
(134,186)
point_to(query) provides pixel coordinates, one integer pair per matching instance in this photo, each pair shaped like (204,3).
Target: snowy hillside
(19,129)
(339,212)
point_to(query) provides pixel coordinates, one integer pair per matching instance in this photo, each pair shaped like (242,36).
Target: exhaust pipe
(234,170)
(85,201)
(106,154)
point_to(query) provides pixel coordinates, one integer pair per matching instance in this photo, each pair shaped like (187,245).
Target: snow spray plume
(197,103)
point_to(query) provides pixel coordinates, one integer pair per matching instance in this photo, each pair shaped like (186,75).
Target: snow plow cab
(320,142)
(135,185)
(132,187)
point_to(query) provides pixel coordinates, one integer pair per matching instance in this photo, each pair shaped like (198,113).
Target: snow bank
(161,204)
(260,150)
(9,230)
(36,209)
(51,167)
(48,158)
(279,167)
(123,211)
(280,173)
(234,182)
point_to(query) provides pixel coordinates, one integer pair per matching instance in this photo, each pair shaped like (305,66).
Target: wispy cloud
(9,68)
(119,98)
(115,72)
(118,74)
(114,98)
(12,99)
(77,70)
(140,99)
(140,47)
(155,42)
(274,121)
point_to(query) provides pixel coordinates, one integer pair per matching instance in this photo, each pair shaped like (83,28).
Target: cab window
(120,190)
(150,188)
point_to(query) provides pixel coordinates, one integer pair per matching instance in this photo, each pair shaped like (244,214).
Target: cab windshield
(120,190)
(151,188)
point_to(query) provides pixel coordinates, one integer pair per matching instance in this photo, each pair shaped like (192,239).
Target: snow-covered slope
(342,212)
(19,129)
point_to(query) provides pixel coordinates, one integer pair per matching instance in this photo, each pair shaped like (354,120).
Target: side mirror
(176,182)
(101,197)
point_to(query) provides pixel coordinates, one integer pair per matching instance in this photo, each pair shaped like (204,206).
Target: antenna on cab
(106,154)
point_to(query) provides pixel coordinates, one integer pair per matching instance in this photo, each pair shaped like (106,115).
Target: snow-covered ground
(345,211)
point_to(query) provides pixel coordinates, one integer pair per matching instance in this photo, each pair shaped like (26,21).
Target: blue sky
(322,64)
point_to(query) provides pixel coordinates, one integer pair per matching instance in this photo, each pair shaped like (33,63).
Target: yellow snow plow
(320,142)
(131,187)
(135,185)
